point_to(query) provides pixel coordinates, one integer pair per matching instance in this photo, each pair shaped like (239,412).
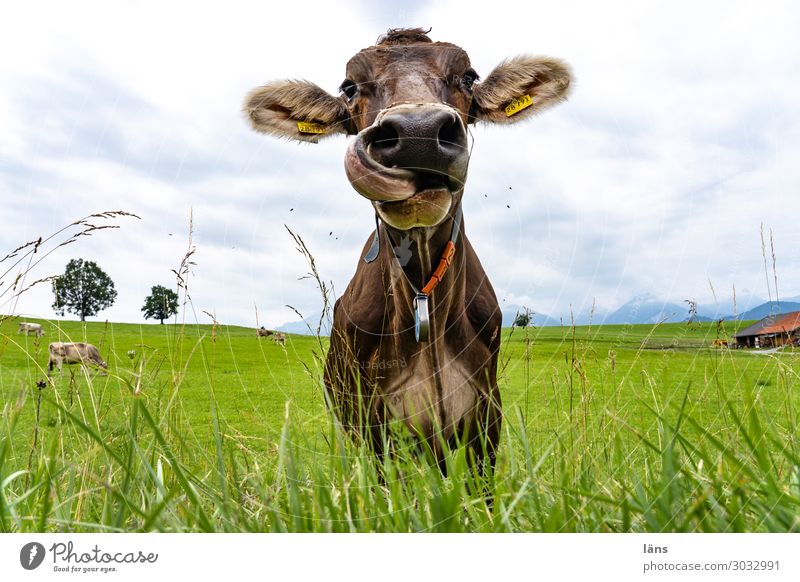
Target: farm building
(772,331)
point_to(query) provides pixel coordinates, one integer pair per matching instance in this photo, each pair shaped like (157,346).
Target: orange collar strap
(444,264)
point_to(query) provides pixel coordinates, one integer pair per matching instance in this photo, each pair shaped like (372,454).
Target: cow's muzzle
(410,149)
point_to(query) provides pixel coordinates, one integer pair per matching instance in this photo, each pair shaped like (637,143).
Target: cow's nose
(419,138)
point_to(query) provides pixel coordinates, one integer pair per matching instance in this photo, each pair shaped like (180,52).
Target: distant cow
(30,327)
(263,332)
(74,353)
(279,338)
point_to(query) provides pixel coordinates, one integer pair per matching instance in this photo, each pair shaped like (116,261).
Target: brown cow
(74,353)
(277,336)
(408,102)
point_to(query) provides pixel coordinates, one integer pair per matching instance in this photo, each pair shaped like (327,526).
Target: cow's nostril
(385,138)
(450,134)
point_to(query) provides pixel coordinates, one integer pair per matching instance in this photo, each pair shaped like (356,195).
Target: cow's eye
(349,88)
(468,78)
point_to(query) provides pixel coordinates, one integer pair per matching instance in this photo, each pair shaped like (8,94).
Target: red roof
(773,324)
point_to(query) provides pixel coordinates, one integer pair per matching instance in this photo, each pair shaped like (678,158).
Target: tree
(83,289)
(523,319)
(160,304)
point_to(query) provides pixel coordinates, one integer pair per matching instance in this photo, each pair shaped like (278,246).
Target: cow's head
(408,101)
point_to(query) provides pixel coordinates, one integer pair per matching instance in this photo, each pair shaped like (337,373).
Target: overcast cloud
(681,138)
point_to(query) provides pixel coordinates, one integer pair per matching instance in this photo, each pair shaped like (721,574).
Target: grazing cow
(263,332)
(279,338)
(74,353)
(416,333)
(30,327)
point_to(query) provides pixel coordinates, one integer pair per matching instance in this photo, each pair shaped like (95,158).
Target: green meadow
(644,428)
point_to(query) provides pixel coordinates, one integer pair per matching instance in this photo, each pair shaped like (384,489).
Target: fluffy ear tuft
(296,110)
(501,98)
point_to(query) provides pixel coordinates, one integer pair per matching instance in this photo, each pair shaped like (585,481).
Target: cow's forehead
(439,57)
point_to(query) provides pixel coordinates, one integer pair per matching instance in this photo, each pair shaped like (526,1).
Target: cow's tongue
(373,180)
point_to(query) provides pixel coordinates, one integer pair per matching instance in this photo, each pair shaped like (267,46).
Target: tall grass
(594,472)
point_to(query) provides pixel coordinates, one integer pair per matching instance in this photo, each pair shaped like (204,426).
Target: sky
(680,140)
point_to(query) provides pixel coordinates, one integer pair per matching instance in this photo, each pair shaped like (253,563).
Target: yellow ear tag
(518,105)
(308,127)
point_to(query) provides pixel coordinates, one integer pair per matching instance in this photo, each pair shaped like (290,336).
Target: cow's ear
(295,109)
(521,87)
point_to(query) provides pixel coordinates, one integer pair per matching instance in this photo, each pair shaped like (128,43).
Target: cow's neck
(427,246)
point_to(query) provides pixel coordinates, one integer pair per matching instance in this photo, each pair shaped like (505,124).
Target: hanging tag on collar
(421,317)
